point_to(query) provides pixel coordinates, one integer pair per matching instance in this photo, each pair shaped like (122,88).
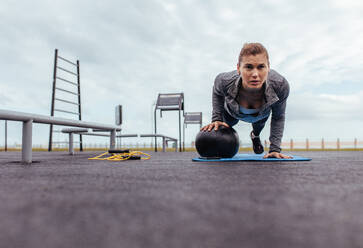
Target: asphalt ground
(170,201)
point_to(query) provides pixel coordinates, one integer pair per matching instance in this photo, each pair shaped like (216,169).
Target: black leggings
(257,126)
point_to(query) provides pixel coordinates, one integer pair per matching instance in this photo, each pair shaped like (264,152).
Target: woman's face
(253,70)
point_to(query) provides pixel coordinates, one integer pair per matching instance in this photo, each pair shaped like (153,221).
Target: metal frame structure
(191,118)
(6,135)
(28,119)
(55,88)
(169,102)
(84,131)
(165,140)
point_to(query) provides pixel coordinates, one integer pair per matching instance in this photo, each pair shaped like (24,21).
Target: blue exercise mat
(250,157)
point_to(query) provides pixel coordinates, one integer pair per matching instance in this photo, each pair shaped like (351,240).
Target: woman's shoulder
(224,81)
(275,77)
(278,83)
(228,76)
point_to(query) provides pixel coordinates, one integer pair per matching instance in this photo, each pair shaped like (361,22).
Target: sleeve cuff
(274,149)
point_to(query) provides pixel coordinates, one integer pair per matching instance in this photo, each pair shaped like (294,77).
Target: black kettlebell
(223,143)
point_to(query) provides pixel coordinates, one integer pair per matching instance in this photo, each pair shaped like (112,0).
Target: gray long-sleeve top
(225,98)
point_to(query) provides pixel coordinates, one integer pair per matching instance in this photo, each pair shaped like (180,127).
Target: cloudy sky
(130,51)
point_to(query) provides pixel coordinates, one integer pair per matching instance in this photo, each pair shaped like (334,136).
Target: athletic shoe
(257,146)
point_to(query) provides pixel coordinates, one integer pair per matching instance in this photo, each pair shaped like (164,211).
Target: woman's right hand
(214,125)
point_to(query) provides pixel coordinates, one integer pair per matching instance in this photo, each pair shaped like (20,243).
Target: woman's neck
(251,99)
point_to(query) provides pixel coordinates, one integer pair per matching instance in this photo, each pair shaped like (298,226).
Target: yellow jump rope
(121,155)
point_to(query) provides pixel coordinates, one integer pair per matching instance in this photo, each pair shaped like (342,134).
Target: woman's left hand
(276,155)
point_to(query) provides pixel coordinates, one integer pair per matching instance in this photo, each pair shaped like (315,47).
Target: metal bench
(28,119)
(72,131)
(169,102)
(84,131)
(165,139)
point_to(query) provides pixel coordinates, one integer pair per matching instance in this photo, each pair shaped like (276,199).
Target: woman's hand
(214,125)
(276,155)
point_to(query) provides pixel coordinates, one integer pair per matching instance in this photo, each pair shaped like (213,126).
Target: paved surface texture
(170,201)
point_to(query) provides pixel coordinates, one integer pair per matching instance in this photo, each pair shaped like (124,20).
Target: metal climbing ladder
(64,84)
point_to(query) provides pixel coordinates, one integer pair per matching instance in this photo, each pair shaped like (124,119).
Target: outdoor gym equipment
(169,102)
(28,119)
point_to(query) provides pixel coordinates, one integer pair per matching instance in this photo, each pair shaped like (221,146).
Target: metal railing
(28,119)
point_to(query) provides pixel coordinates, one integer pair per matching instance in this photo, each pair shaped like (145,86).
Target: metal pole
(70,147)
(119,140)
(164,144)
(6,135)
(155,143)
(53,99)
(27,142)
(180,145)
(113,139)
(21,116)
(184,137)
(79,103)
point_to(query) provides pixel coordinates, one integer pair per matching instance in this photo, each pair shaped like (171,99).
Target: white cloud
(330,107)
(130,51)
